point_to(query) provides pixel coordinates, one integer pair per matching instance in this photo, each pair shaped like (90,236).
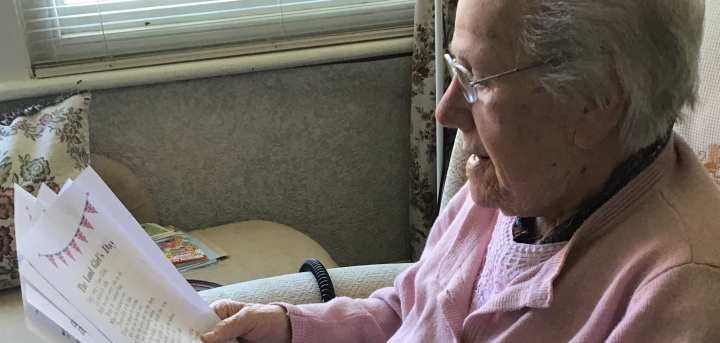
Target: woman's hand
(249,323)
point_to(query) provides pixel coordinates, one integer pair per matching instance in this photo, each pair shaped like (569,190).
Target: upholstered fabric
(702,127)
(12,318)
(455,177)
(301,288)
(47,143)
(127,187)
(258,249)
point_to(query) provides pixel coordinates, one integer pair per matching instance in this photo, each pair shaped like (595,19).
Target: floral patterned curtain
(423,184)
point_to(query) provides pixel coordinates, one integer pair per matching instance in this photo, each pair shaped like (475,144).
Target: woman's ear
(599,120)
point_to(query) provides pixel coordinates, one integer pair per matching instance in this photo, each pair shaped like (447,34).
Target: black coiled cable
(327,291)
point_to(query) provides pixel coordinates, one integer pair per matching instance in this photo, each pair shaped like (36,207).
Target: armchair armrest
(301,288)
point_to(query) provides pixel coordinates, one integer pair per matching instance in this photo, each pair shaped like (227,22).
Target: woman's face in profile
(521,141)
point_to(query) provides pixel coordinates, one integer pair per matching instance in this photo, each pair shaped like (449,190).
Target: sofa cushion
(258,249)
(127,187)
(45,143)
(12,318)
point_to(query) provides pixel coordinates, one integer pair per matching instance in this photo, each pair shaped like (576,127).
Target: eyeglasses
(477,89)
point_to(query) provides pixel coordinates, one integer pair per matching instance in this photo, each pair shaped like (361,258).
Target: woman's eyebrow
(454,54)
(475,72)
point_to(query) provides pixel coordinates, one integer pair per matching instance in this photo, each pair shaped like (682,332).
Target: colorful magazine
(161,234)
(180,248)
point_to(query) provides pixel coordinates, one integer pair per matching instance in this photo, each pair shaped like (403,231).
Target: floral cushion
(46,143)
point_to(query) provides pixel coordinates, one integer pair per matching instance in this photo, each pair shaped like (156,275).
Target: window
(66,32)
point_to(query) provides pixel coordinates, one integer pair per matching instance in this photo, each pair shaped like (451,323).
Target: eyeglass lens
(463,77)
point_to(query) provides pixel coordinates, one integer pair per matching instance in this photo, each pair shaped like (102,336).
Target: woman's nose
(454,110)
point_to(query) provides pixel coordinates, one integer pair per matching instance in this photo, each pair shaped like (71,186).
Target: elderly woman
(585,219)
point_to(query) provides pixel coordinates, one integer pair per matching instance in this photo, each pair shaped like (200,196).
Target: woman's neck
(593,178)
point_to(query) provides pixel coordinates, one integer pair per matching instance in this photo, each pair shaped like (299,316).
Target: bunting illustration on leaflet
(79,235)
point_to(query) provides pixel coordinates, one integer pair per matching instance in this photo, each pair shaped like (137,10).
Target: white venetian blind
(61,32)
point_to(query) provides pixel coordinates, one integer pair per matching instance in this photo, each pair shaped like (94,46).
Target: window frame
(15,63)
(18,80)
(263,22)
(110,6)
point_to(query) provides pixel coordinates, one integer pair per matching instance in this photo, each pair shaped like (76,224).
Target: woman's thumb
(230,328)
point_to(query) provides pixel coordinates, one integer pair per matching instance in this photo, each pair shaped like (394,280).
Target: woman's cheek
(501,174)
(486,97)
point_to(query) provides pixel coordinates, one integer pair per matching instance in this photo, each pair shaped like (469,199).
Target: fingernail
(207,337)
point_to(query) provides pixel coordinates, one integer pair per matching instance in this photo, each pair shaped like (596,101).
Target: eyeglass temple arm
(530,66)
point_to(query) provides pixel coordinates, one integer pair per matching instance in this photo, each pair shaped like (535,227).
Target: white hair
(652,45)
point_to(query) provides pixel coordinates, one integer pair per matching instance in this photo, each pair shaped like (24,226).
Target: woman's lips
(477,161)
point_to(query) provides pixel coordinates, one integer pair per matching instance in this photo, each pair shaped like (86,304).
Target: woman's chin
(484,191)
(481,198)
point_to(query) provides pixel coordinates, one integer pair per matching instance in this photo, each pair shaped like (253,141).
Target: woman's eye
(482,85)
